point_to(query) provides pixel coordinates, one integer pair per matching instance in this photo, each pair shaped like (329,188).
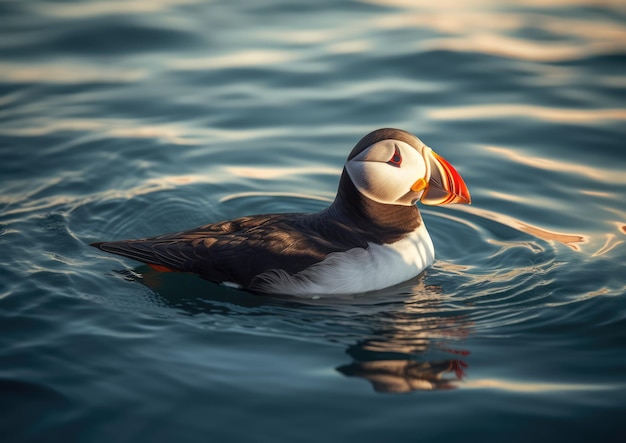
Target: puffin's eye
(396,158)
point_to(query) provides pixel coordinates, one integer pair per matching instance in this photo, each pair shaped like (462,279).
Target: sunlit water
(134,118)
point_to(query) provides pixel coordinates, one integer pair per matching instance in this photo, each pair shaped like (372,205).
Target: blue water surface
(123,119)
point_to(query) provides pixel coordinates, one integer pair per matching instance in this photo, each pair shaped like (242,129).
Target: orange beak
(446,185)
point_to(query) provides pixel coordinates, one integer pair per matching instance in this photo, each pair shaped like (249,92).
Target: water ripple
(131,118)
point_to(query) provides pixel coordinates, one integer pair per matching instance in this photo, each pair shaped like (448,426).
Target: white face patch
(385,172)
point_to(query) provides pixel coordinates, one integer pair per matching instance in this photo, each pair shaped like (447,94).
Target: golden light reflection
(146,187)
(233,60)
(595,193)
(451,22)
(599,292)
(276,194)
(507,196)
(68,73)
(106,128)
(567,239)
(619,213)
(479,27)
(551,165)
(349,47)
(301,36)
(610,244)
(571,240)
(556,115)
(528,387)
(108,7)
(126,128)
(162,183)
(569,3)
(503,46)
(477,4)
(269,173)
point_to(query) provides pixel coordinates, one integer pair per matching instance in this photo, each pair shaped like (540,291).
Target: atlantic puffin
(371,237)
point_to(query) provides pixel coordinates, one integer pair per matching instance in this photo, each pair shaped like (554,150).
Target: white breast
(356,270)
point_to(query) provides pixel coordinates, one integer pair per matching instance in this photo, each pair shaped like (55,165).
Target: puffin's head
(392,166)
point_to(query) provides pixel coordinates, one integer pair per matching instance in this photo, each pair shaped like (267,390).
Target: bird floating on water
(371,237)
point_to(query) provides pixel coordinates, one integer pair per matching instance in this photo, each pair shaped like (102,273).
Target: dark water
(133,118)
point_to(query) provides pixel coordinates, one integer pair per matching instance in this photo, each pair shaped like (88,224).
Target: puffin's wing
(234,251)
(197,250)
(173,255)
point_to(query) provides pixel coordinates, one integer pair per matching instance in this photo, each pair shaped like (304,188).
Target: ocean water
(123,119)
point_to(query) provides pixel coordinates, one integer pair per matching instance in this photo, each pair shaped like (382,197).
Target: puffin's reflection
(399,376)
(407,351)
(400,339)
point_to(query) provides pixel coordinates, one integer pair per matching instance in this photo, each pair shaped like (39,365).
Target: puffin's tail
(158,254)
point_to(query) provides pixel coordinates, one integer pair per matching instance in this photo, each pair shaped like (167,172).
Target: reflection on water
(269,173)
(570,240)
(127,118)
(545,114)
(401,376)
(560,165)
(396,356)
(68,73)
(100,8)
(488,27)
(611,243)
(402,342)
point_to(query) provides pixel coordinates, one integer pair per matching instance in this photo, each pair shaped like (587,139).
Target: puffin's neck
(378,222)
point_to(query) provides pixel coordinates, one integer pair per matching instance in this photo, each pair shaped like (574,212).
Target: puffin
(371,237)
